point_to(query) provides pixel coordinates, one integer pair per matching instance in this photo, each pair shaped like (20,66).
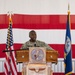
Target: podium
(37,60)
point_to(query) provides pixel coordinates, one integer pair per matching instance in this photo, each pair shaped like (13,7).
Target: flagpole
(67,48)
(10,65)
(68,6)
(69,14)
(9,14)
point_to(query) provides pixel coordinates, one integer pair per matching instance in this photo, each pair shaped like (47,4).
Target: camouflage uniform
(38,44)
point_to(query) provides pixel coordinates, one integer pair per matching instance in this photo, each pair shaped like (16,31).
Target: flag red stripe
(11,70)
(6,70)
(58,47)
(13,60)
(12,67)
(37,21)
(9,64)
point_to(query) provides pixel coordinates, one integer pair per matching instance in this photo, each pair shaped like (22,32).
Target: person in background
(35,43)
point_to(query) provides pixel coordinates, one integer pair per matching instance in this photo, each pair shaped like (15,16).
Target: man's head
(32,35)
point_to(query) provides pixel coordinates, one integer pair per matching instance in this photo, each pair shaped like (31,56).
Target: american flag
(10,64)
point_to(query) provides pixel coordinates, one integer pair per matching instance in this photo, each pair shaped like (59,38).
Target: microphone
(34,45)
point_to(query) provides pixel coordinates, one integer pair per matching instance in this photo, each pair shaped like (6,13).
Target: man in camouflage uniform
(35,43)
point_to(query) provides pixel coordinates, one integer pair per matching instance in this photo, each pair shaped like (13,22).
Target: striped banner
(50,29)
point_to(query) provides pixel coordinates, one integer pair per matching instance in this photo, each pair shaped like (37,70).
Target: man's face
(33,36)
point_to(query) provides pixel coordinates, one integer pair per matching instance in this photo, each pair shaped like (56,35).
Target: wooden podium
(42,65)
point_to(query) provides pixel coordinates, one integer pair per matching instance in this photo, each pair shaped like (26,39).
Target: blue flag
(67,51)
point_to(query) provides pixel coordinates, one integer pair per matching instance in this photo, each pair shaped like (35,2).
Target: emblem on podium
(37,55)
